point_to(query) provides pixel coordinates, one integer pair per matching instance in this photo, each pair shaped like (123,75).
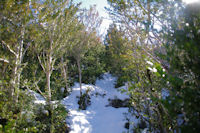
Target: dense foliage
(152,47)
(183,52)
(39,44)
(162,64)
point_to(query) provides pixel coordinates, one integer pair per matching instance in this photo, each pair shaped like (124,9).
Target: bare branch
(165,66)
(12,51)
(4,60)
(45,63)
(52,64)
(41,63)
(39,89)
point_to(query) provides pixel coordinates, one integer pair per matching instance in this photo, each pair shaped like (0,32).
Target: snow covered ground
(98,118)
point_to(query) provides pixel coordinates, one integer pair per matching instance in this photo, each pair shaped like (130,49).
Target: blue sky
(100,4)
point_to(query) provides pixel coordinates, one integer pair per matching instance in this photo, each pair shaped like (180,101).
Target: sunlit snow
(98,118)
(190,1)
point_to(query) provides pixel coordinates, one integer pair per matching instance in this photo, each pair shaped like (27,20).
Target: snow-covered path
(97,118)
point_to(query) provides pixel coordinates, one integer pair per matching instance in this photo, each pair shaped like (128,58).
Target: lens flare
(190,1)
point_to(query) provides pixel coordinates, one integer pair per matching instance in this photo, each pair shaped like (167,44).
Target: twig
(41,63)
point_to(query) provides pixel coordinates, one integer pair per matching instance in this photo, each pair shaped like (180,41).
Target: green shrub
(51,119)
(26,116)
(19,115)
(84,100)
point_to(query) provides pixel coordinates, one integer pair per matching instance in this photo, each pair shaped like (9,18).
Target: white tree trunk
(17,66)
(48,77)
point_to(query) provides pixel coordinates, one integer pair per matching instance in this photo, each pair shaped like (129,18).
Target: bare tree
(89,23)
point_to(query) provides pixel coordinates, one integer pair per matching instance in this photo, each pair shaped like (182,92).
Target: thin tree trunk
(48,76)
(15,76)
(64,71)
(17,66)
(80,76)
(20,61)
(48,86)
(48,72)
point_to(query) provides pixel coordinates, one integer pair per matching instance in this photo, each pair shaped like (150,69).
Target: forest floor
(99,117)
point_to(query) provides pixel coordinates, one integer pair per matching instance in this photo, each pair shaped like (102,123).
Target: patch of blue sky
(100,4)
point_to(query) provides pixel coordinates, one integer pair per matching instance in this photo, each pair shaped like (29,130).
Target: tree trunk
(48,86)
(17,66)
(80,76)
(20,62)
(64,73)
(48,76)
(49,69)
(15,76)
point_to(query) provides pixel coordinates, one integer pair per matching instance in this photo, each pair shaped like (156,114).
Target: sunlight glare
(190,1)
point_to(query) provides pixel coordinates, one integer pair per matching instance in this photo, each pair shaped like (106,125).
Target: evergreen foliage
(36,40)
(163,87)
(182,54)
(152,47)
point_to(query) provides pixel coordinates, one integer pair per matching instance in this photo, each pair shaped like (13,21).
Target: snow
(36,95)
(150,63)
(38,98)
(152,69)
(98,118)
